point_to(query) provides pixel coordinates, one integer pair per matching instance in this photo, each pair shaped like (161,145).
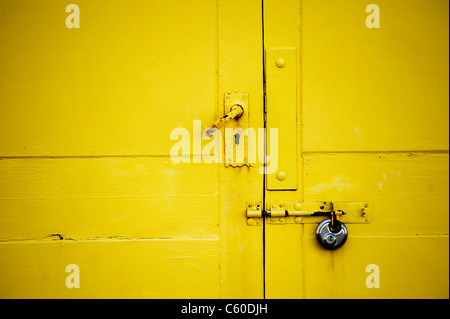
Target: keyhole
(237,137)
(330,239)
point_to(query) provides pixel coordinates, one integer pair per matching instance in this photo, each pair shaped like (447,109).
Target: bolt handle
(236,112)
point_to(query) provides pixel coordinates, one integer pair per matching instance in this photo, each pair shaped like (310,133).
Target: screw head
(298,206)
(281,175)
(281,63)
(251,221)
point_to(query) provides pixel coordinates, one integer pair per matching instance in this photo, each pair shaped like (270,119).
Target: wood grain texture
(105,88)
(408,238)
(409,191)
(240,56)
(111,269)
(383,89)
(85,173)
(107,197)
(372,126)
(410,267)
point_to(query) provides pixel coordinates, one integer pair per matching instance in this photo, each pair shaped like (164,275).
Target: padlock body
(331,239)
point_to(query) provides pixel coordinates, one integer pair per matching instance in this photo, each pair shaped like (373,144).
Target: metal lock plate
(237,143)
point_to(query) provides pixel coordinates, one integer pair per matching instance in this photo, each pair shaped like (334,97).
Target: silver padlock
(331,238)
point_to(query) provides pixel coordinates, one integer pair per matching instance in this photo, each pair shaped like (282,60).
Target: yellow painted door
(91,203)
(360,100)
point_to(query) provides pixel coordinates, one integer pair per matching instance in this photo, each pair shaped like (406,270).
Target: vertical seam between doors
(265,149)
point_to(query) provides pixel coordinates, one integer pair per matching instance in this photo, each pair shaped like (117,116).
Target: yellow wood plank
(284,261)
(409,192)
(109,217)
(283,258)
(105,88)
(111,269)
(107,197)
(104,177)
(240,56)
(408,238)
(375,89)
(409,267)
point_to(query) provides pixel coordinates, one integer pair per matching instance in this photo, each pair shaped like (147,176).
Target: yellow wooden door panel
(372,125)
(408,191)
(106,197)
(85,172)
(85,176)
(129,268)
(105,88)
(408,238)
(410,266)
(375,89)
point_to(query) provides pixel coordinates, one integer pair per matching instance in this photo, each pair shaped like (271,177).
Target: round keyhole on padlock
(331,238)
